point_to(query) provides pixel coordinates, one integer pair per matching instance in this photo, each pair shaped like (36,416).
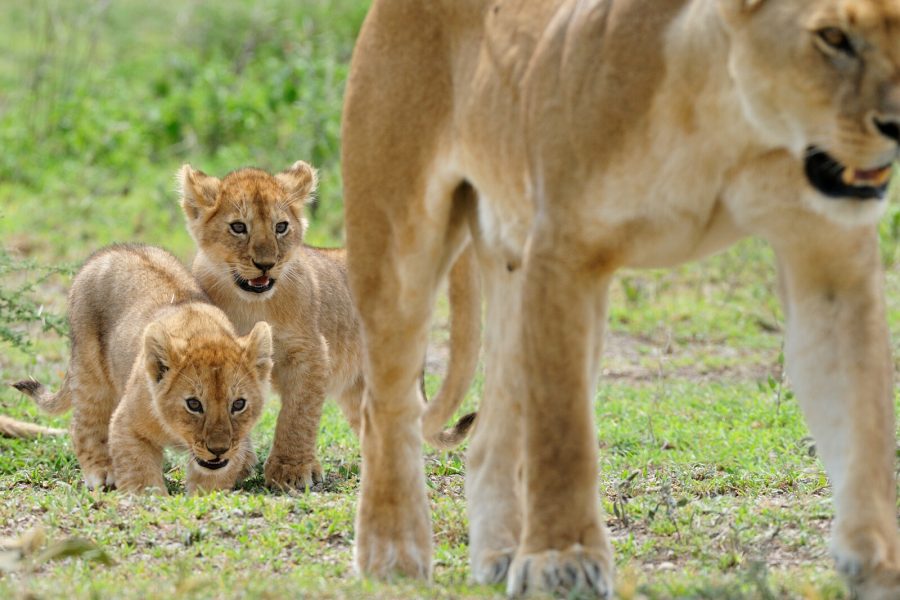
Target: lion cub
(154,364)
(252,262)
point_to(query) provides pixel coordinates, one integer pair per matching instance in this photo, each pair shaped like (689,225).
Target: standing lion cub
(154,364)
(252,262)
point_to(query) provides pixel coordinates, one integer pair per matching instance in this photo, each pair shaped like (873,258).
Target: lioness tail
(19,429)
(465,343)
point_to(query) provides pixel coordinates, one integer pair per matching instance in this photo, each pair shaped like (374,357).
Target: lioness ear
(197,189)
(299,181)
(258,348)
(158,348)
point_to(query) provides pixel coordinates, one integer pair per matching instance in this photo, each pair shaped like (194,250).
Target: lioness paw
(383,557)
(869,562)
(492,567)
(577,572)
(285,475)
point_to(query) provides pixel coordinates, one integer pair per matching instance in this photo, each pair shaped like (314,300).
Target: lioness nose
(217,450)
(888,128)
(263,266)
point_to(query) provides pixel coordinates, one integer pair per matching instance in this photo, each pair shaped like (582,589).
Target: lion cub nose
(263,266)
(217,450)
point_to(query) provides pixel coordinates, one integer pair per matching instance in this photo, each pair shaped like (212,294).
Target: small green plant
(17,308)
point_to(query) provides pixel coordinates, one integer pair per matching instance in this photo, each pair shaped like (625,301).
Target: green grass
(707,480)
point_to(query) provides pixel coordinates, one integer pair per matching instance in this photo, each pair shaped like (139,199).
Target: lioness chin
(154,364)
(566,139)
(252,261)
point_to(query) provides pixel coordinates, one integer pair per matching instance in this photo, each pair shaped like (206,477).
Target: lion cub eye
(238,227)
(238,405)
(193,405)
(836,40)
(281,227)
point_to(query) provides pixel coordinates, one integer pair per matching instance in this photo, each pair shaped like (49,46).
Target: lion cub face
(208,393)
(249,224)
(821,77)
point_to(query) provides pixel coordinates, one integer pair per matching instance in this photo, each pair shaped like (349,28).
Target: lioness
(154,364)
(252,262)
(566,139)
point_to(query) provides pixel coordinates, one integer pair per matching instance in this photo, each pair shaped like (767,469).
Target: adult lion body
(252,262)
(154,364)
(567,139)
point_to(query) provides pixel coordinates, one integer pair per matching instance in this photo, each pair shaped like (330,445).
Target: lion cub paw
(283,475)
(99,478)
(577,572)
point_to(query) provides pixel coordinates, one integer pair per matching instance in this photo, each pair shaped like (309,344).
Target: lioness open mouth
(837,181)
(257,286)
(212,465)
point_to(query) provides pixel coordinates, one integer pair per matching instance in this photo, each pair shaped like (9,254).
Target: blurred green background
(101,101)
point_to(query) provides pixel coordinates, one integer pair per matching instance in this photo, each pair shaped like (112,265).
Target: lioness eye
(238,405)
(836,39)
(238,227)
(194,405)
(281,227)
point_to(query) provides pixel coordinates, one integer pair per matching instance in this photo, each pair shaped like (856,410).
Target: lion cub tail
(465,343)
(19,429)
(47,400)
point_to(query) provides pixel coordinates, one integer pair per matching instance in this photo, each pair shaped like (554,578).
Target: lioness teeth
(874,177)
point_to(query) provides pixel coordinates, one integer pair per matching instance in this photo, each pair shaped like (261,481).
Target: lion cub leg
(565,547)
(300,381)
(137,462)
(350,401)
(93,403)
(838,359)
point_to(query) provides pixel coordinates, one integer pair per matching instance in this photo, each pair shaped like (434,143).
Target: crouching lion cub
(252,262)
(154,364)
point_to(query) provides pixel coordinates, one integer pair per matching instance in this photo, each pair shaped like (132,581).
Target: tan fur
(318,348)
(144,340)
(13,428)
(566,139)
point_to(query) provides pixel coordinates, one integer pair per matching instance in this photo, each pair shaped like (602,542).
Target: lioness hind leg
(838,359)
(564,547)
(495,453)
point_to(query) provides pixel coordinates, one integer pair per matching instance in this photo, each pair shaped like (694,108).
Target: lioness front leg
(564,546)
(300,381)
(838,359)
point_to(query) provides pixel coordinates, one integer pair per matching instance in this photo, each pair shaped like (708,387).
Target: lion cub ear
(158,351)
(299,181)
(197,189)
(258,348)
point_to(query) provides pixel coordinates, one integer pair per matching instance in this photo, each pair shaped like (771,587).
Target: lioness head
(822,77)
(250,223)
(208,391)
